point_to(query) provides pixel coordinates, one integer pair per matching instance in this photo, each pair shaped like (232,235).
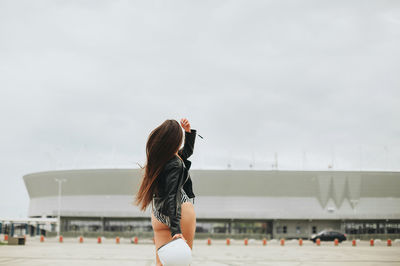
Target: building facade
(272,204)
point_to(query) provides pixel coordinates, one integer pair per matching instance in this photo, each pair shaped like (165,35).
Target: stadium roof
(226,194)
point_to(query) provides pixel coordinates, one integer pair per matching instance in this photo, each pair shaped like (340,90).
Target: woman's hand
(185,124)
(178,236)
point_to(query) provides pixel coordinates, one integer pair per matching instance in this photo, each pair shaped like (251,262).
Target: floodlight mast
(60,181)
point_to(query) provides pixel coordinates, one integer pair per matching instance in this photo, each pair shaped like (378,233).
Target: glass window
(109,225)
(220,228)
(370,228)
(314,229)
(284,229)
(249,227)
(202,227)
(393,228)
(85,225)
(279,229)
(381,228)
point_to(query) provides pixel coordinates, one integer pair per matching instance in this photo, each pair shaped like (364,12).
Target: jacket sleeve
(173,174)
(188,147)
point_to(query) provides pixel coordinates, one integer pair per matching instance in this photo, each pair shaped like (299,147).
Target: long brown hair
(162,143)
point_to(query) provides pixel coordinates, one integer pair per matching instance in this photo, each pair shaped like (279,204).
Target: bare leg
(188,222)
(162,233)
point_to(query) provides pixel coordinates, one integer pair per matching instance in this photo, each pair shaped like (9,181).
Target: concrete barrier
(16,240)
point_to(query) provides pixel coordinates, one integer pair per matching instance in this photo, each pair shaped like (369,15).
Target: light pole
(60,181)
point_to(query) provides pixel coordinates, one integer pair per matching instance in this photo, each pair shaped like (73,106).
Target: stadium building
(251,203)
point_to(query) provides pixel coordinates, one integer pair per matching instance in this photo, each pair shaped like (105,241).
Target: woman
(167,184)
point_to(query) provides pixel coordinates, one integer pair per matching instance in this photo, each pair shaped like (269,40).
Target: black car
(328,235)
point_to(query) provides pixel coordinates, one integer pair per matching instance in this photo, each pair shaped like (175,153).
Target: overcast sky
(84,82)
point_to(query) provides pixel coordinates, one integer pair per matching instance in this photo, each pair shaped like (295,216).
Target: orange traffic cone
(228,241)
(282,242)
(264,242)
(300,242)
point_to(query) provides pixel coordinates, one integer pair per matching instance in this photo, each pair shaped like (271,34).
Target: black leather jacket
(172,178)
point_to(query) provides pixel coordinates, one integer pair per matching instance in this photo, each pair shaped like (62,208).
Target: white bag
(175,253)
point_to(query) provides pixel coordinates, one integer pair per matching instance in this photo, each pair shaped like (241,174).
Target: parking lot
(90,253)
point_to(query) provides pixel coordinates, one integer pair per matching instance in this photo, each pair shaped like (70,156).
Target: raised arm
(190,136)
